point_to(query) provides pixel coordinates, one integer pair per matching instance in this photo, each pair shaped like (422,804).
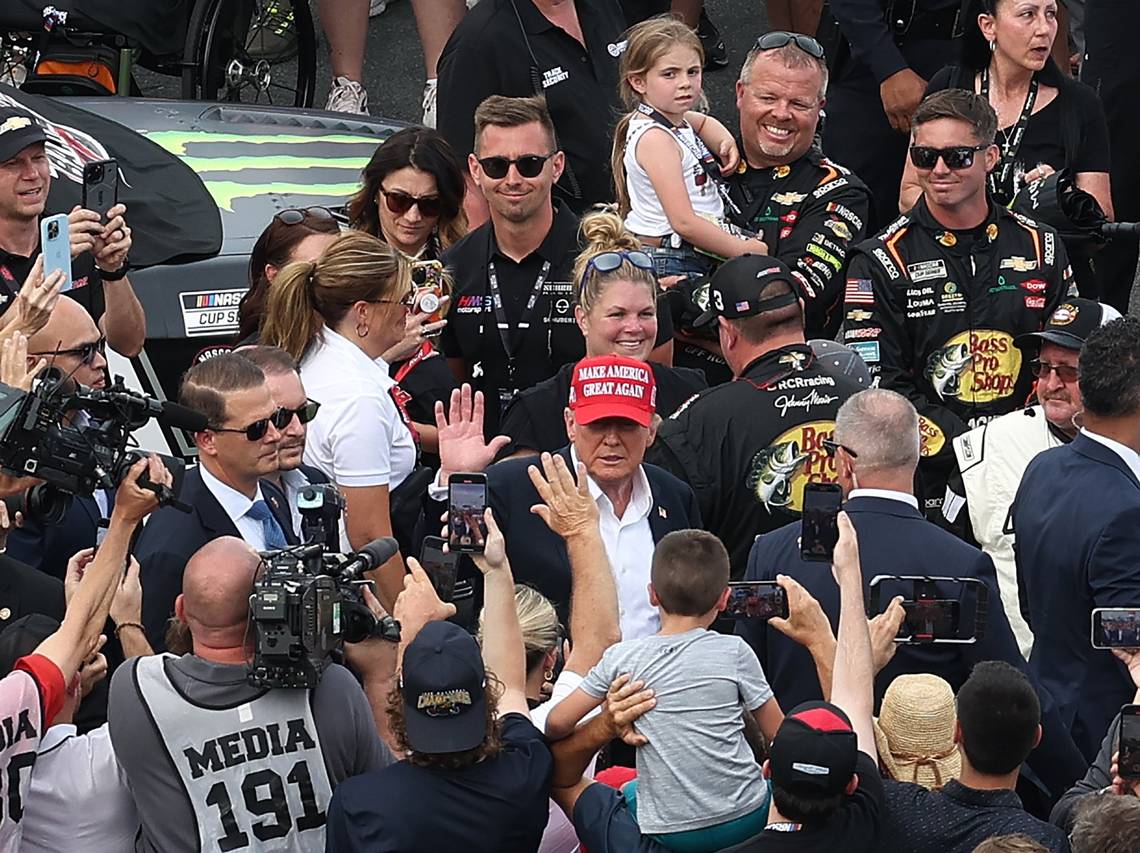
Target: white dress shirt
(629,546)
(1131,457)
(79,799)
(237,506)
(885,494)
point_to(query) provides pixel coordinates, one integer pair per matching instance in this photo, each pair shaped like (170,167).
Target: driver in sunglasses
(934,302)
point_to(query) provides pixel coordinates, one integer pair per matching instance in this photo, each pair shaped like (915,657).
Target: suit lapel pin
(661,512)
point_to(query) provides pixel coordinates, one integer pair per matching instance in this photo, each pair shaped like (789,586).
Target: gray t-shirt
(697,769)
(345,730)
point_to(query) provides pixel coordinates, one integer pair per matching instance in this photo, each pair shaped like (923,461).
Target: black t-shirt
(511,48)
(692,357)
(535,419)
(473,334)
(497,805)
(86,283)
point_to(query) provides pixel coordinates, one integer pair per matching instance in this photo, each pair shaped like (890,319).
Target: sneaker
(377,7)
(716,54)
(272,35)
(430,88)
(347,96)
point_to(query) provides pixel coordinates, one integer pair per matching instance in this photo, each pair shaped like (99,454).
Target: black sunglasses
(304,413)
(85,352)
(529,165)
(781,38)
(1065,372)
(400,203)
(297,215)
(956,157)
(257,430)
(831,447)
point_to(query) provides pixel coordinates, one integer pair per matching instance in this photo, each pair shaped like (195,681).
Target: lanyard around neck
(1013,140)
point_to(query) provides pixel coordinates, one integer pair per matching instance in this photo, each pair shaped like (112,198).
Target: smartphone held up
(466,504)
(819,531)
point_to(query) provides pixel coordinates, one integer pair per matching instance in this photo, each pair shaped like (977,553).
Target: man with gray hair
(807,209)
(876,450)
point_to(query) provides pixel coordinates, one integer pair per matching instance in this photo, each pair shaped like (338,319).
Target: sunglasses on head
(1065,372)
(528,165)
(257,430)
(781,38)
(85,352)
(297,215)
(604,262)
(400,203)
(955,157)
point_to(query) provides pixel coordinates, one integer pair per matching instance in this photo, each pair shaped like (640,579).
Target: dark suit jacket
(23,591)
(538,555)
(279,503)
(1077,520)
(895,539)
(48,548)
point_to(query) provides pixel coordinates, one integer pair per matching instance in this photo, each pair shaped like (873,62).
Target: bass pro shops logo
(778,473)
(977,366)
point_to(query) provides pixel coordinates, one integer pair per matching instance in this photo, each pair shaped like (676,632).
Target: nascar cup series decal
(977,366)
(778,473)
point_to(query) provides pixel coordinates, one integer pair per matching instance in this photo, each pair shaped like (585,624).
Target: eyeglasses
(831,447)
(1042,369)
(400,203)
(781,38)
(257,430)
(529,165)
(85,352)
(956,157)
(297,215)
(604,262)
(303,413)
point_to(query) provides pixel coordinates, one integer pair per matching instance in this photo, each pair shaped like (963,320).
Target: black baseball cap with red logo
(814,751)
(1070,324)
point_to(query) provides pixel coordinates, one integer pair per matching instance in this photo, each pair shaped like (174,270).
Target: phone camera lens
(53,230)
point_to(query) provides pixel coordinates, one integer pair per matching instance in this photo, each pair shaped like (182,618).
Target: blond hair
(603,231)
(307,295)
(538,621)
(646,43)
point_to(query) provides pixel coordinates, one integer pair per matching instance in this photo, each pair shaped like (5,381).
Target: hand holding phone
(756,600)
(467,501)
(1116,628)
(55,243)
(1128,744)
(441,566)
(819,530)
(101,187)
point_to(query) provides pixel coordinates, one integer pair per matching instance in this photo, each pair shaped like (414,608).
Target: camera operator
(99,249)
(216,763)
(284,380)
(73,344)
(236,449)
(33,693)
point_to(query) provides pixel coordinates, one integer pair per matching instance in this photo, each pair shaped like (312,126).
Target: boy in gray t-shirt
(697,777)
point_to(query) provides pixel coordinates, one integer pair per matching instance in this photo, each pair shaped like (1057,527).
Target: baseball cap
(1070,324)
(443,684)
(814,751)
(735,288)
(839,359)
(18,130)
(22,637)
(613,386)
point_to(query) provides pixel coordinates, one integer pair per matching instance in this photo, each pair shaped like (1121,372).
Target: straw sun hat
(915,731)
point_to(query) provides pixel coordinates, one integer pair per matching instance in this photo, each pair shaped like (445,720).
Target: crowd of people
(610,345)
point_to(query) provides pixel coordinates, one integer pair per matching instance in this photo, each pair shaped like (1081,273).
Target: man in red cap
(610,422)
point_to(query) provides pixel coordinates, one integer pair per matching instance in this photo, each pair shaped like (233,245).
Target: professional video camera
(307,602)
(37,440)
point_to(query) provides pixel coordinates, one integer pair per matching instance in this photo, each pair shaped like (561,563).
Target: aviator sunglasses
(781,38)
(529,165)
(604,262)
(956,157)
(1065,372)
(401,202)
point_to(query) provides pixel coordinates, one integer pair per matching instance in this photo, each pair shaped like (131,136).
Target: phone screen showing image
(1129,759)
(819,530)
(756,600)
(467,499)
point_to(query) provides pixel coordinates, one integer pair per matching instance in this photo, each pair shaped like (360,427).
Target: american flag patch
(859,292)
(742,306)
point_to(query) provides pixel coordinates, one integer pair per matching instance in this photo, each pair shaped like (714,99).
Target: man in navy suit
(1077,521)
(237,448)
(610,422)
(876,452)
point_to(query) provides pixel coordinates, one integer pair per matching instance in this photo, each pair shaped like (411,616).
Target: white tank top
(254,773)
(646,216)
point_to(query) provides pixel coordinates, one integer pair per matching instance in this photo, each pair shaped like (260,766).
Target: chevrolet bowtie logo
(15,123)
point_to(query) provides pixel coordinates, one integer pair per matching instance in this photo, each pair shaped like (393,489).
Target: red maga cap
(613,386)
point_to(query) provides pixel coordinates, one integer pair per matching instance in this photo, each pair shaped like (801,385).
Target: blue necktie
(274,537)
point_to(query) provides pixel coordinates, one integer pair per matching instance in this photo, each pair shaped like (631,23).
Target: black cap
(443,683)
(735,288)
(18,130)
(814,751)
(1070,324)
(23,637)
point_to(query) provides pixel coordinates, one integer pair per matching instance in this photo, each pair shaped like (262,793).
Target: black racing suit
(934,313)
(749,446)
(810,213)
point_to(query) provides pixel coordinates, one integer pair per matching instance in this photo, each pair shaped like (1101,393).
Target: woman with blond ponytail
(337,316)
(616,310)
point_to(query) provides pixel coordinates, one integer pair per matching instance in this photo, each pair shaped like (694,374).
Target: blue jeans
(683,261)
